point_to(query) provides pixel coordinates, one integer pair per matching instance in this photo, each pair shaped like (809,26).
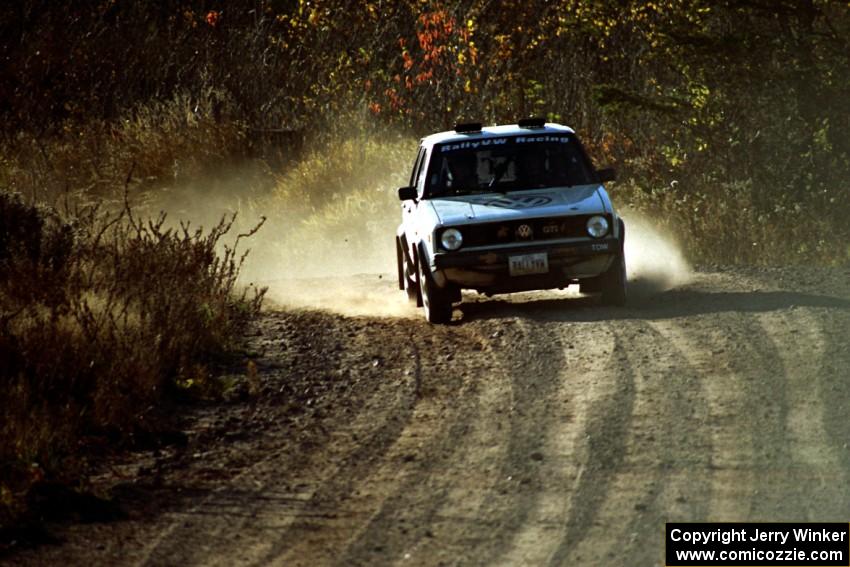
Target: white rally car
(507,208)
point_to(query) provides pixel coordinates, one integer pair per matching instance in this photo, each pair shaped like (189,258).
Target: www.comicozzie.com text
(727,536)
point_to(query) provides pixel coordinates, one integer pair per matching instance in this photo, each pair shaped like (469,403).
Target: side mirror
(407,193)
(606,174)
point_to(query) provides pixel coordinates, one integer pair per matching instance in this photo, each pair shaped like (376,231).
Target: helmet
(464,170)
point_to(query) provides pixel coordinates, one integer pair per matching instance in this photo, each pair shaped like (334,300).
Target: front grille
(518,231)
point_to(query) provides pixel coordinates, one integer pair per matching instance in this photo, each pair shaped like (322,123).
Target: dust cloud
(654,261)
(353,271)
(327,241)
(339,259)
(336,255)
(340,256)
(374,295)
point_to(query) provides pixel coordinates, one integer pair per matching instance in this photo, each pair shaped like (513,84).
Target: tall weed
(101,315)
(724,223)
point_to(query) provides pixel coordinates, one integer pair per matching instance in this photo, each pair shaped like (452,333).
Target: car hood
(556,201)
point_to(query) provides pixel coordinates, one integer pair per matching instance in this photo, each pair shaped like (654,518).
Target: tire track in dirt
(814,459)
(834,378)
(746,386)
(766,392)
(269,506)
(581,383)
(674,445)
(534,369)
(732,482)
(648,482)
(256,511)
(402,490)
(369,481)
(608,426)
(450,522)
(428,498)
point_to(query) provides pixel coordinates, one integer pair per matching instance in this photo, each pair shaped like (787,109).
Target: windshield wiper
(501,169)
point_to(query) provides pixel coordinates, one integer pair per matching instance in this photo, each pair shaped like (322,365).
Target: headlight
(451,239)
(597,227)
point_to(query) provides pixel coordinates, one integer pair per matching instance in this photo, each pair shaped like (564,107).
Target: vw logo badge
(523,232)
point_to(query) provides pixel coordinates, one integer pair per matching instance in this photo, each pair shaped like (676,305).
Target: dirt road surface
(537,430)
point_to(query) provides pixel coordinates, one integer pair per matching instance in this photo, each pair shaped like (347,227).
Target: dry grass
(725,224)
(160,144)
(101,314)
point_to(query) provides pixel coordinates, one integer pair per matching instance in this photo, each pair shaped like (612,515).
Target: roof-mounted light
(536,122)
(467,127)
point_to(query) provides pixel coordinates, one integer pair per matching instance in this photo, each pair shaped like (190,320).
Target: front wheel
(613,282)
(399,259)
(436,302)
(408,276)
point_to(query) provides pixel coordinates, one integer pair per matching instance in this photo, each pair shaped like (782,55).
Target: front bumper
(488,269)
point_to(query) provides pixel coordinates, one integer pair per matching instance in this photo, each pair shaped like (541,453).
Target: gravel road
(540,429)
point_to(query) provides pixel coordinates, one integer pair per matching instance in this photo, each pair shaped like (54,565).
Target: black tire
(409,277)
(590,285)
(436,302)
(614,282)
(399,262)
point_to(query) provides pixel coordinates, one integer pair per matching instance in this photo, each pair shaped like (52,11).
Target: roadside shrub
(724,223)
(101,315)
(159,144)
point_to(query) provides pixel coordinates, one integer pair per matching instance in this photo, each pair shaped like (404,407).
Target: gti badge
(523,232)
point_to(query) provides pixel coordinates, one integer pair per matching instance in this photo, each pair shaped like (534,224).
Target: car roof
(494,132)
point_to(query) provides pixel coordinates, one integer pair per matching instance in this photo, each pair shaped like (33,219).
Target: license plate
(528,264)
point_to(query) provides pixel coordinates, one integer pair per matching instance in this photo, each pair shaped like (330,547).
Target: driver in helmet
(464,173)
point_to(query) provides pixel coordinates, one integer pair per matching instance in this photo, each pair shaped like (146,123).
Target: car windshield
(510,163)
